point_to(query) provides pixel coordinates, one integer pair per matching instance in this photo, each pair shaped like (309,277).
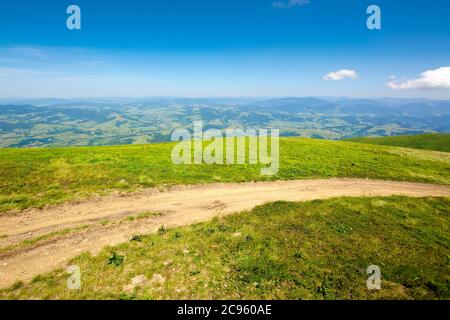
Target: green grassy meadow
(39,177)
(438,141)
(311,250)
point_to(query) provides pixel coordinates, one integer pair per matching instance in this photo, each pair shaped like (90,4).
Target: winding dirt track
(180,206)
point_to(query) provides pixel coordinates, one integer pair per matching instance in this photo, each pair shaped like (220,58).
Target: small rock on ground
(158,279)
(138,281)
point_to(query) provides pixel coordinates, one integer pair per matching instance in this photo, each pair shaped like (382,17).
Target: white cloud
(430,79)
(341,74)
(282,4)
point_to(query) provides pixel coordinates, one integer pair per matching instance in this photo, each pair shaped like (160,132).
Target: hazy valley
(86,122)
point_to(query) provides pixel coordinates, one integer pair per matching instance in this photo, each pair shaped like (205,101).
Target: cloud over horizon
(341,75)
(286,4)
(430,79)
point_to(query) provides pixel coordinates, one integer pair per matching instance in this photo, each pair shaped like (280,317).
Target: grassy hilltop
(283,250)
(438,141)
(39,177)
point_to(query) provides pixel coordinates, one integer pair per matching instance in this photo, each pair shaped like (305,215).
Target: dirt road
(106,221)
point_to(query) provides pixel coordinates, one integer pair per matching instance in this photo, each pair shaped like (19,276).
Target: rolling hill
(38,177)
(284,250)
(438,142)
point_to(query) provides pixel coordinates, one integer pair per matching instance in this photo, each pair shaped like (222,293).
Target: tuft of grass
(17,285)
(40,177)
(177,235)
(162,230)
(148,214)
(314,250)
(136,237)
(125,296)
(105,222)
(115,259)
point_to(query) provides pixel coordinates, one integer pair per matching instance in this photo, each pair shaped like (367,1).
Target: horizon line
(217,97)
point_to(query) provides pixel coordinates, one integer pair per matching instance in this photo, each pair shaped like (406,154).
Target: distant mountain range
(81,122)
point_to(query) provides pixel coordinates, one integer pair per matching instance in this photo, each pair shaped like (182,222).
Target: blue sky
(224,48)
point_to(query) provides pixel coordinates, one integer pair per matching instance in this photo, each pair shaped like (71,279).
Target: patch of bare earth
(106,221)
